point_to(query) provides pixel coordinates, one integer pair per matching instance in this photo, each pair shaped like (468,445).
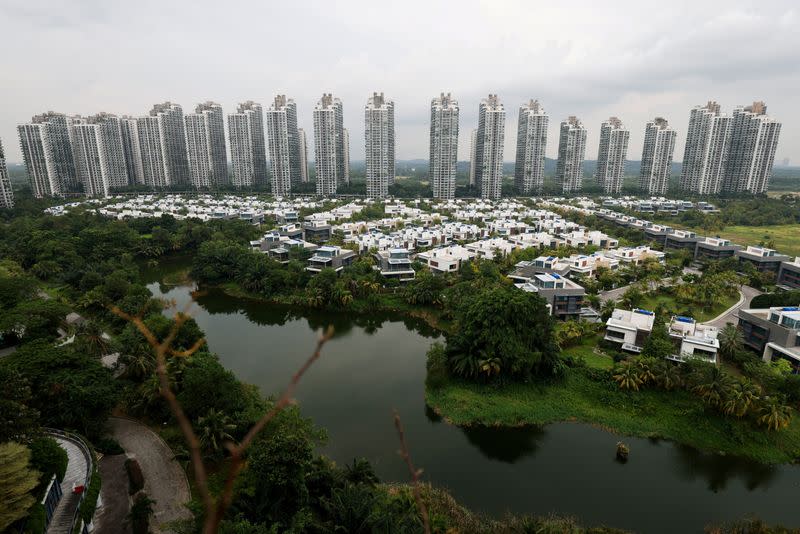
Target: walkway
(729,316)
(164,478)
(77,472)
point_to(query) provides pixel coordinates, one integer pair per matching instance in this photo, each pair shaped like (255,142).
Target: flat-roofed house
(762,258)
(333,257)
(629,328)
(693,340)
(395,263)
(773,332)
(715,248)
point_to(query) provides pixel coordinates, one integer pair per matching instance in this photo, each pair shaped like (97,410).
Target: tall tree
(17,481)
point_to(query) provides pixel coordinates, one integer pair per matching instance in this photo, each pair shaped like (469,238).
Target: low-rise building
(693,340)
(773,332)
(317,231)
(395,263)
(636,255)
(682,240)
(565,297)
(446,259)
(336,258)
(657,233)
(629,328)
(715,248)
(789,274)
(762,258)
(489,248)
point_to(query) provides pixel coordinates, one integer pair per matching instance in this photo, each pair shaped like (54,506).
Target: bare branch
(214,512)
(237,451)
(415,473)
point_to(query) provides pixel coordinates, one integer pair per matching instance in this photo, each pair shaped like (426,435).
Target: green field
(675,415)
(785,236)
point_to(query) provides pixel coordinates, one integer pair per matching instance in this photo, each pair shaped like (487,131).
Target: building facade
(284,149)
(473,144)
(172,138)
(205,146)
(611,155)
(248,148)
(303,142)
(153,165)
(331,145)
(443,146)
(706,152)
(657,152)
(379,145)
(86,155)
(129,128)
(531,146)
(571,152)
(47,152)
(753,142)
(346,152)
(489,145)
(6,194)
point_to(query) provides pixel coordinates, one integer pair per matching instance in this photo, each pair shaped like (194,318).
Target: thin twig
(237,451)
(214,513)
(415,473)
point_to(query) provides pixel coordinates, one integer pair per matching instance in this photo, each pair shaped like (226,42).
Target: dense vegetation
(498,340)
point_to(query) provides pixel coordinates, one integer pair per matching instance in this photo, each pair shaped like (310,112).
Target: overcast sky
(633,59)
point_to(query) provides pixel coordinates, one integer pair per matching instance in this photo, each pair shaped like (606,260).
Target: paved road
(110,517)
(730,316)
(164,479)
(77,470)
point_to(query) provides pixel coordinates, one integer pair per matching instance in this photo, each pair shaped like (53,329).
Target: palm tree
(607,308)
(730,341)
(715,388)
(627,376)
(490,366)
(773,414)
(93,339)
(465,365)
(215,429)
(647,369)
(138,366)
(667,376)
(741,398)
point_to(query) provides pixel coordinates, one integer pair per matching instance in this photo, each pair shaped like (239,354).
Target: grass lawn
(784,236)
(651,302)
(675,415)
(587,350)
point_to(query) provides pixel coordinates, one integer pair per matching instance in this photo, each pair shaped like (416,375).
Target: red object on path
(77,490)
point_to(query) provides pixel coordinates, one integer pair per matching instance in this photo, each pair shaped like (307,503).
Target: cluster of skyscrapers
(66,154)
(730,153)
(167,148)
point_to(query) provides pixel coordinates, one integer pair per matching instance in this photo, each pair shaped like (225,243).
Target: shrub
(436,366)
(140,513)
(90,500)
(135,475)
(49,459)
(108,445)
(36,519)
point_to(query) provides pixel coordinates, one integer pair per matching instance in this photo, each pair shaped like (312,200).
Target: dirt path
(165,480)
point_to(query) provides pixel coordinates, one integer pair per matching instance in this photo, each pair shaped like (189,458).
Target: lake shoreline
(671,416)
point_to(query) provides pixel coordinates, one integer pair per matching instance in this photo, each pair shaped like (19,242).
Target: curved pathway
(729,315)
(77,473)
(164,479)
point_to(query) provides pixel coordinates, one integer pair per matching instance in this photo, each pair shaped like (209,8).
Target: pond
(377,363)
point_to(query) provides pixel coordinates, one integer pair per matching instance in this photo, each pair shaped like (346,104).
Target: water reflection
(377,363)
(718,471)
(508,445)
